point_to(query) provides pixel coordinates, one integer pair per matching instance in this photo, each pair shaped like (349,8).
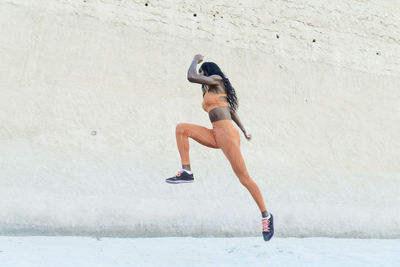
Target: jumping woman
(219,100)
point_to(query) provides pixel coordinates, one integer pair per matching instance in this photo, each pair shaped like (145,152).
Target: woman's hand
(247,135)
(198,58)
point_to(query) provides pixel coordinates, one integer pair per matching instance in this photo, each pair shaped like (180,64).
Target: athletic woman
(219,100)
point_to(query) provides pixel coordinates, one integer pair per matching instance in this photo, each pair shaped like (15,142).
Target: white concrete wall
(324,115)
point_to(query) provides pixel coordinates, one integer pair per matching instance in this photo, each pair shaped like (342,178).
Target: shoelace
(265,225)
(179,173)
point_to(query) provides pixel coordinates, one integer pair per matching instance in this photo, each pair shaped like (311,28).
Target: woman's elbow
(191,79)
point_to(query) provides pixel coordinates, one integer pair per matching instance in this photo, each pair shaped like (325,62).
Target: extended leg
(232,152)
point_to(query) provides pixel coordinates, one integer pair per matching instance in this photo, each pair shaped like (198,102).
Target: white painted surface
(324,116)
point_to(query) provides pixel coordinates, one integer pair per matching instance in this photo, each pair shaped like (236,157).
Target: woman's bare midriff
(219,113)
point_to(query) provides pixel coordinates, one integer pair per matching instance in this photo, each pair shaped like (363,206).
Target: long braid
(232,98)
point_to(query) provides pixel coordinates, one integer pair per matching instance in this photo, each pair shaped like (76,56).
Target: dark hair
(211,69)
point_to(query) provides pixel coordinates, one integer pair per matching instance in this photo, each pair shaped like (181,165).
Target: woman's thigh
(198,133)
(229,142)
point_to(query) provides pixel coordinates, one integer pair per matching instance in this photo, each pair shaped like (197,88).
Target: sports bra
(211,101)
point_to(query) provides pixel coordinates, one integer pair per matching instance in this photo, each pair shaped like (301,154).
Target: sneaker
(181,177)
(268,228)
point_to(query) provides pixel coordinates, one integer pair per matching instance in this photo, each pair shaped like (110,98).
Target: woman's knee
(245,180)
(181,128)
(243,176)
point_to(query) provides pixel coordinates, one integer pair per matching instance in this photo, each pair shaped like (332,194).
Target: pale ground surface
(35,251)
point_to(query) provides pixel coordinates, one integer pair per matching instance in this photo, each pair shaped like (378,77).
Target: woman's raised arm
(194,77)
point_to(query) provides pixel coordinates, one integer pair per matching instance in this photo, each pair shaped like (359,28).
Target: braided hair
(211,69)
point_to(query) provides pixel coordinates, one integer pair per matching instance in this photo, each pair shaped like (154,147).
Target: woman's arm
(194,77)
(236,119)
(192,72)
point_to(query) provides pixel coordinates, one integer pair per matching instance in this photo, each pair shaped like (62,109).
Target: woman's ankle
(265,214)
(186,167)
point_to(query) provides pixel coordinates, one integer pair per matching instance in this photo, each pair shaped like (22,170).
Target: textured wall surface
(91,92)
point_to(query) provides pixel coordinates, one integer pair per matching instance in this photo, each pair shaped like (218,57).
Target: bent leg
(199,133)
(232,152)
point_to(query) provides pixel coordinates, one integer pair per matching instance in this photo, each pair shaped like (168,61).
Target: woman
(219,100)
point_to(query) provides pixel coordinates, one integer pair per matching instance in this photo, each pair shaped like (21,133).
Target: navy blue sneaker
(268,227)
(181,177)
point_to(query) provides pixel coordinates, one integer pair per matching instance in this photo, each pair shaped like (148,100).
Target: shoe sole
(268,239)
(179,182)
